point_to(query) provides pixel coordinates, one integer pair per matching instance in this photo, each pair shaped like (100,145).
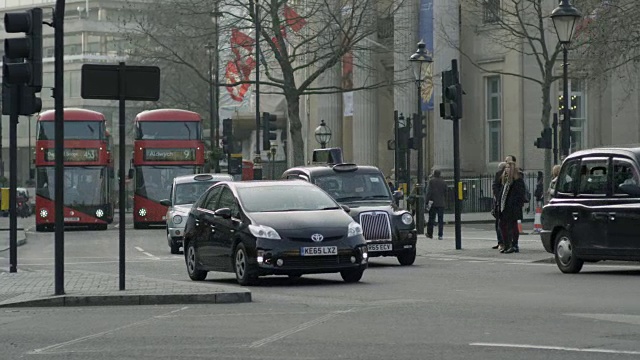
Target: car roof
(266,183)
(320,170)
(202,177)
(632,151)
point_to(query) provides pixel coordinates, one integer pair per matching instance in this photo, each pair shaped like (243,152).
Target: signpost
(121,82)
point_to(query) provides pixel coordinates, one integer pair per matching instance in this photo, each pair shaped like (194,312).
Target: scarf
(503,199)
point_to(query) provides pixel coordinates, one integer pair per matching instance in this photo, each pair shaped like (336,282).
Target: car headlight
(44,213)
(407,219)
(142,212)
(177,219)
(99,213)
(354,229)
(265,232)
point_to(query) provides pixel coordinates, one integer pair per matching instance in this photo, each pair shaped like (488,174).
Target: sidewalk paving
(4,234)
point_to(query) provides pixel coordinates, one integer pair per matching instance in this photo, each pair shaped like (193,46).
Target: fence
(477,192)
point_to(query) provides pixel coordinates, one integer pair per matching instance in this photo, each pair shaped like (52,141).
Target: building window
(578,109)
(491,11)
(494,118)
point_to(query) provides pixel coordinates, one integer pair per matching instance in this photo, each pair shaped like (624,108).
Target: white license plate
(319,250)
(380,247)
(72,219)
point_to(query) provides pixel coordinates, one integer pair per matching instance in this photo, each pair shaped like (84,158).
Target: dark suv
(595,212)
(388,230)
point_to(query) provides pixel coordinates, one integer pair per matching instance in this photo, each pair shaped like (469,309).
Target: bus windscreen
(155,182)
(73,130)
(83,185)
(168,130)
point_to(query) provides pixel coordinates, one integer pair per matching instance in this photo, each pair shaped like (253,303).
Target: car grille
(375,225)
(310,262)
(308,239)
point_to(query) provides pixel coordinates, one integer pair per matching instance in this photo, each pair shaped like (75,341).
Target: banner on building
(426,34)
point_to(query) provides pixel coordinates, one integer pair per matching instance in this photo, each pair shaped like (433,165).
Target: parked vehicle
(595,209)
(184,192)
(272,228)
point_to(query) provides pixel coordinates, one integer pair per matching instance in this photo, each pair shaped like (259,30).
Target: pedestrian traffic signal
(545,140)
(227,136)
(268,130)
(25,51)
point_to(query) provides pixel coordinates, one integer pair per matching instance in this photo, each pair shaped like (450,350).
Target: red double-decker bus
(88,170)
(168,143)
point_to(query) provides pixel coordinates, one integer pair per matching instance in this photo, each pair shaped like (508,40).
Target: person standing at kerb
(435,201)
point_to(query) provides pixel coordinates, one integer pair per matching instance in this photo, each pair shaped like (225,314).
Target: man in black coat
(435,201)
(497,188)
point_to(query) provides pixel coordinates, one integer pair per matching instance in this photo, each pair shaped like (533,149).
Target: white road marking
(558,348)
(620,318)
(139,248)
(108,332)
(296,329)
(151,255)
(140,260)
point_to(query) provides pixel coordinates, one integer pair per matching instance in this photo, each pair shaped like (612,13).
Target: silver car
(184,192)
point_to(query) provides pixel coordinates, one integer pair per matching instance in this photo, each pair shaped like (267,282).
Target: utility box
(4,199)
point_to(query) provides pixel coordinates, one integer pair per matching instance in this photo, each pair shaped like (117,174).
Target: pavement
(4,234)
(27,288)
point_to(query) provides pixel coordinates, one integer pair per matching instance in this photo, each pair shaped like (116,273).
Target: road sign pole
(58,21)
(122,149)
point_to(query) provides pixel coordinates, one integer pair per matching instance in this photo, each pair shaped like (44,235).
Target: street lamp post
(419,61)
(564,20)
(323,134)
(213,133)
(215,80)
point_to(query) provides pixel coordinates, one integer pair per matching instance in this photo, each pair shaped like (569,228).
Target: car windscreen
(189,193)
(284,198)
(353,186)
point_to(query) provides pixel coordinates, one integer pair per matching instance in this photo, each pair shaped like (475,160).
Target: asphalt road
(443,307)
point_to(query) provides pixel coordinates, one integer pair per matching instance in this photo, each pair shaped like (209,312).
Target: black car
(595,210)
(388,230)
(272,228)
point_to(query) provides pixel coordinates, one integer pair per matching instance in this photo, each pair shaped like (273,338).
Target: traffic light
(22,63)
(451,106)
(574,106)
(268,130)
(418,131)
(227,136)
(545,139)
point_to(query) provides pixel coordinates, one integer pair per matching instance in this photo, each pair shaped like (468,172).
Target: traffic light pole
(555,138)
(566,121)
(58,94)
(420,175)
(456,177)
(13,178)
(257,164)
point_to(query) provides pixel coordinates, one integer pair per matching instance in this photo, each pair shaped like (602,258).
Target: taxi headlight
(407,219)
(354,229)
(177,219)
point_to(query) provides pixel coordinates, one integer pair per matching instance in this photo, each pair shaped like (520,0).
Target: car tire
(245,271)
(175,247)
(566,260)
(352,276)
(192,265)
(407,258)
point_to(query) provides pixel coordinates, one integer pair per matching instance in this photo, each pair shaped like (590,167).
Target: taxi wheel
(565,258)
(352,276)
(192,267)
(245,272)
(407,258)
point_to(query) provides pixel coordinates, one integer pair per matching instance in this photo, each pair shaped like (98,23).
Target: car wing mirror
(345,208)
(165,202)
(224,213)
(631,189)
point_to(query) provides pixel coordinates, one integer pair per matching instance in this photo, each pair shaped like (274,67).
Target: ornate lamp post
(564,20)
(323,134)
(420,60)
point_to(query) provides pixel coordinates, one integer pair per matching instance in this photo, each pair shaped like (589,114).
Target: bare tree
(297,44)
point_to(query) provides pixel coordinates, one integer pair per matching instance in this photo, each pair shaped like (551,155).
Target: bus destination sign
(73,155)
(169,154)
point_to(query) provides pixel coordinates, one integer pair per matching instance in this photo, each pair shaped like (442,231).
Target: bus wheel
(137,225)
(41,228)
(101,227)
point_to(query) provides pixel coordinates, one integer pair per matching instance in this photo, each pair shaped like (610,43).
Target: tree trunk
(295,128)
(546,114)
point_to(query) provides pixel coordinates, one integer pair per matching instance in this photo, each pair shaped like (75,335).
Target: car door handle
(604,216)
(575,216)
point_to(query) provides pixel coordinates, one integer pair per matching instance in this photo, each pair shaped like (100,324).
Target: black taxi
(364,193)
(595,210)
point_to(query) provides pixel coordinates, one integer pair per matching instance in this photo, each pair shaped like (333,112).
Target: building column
(365,103)
(405,42)
(445,15)
(329,106)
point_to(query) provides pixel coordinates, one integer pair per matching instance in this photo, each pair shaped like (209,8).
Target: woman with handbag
(511,200)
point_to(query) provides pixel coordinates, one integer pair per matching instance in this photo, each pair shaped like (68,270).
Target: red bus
(88,170)
(168,143)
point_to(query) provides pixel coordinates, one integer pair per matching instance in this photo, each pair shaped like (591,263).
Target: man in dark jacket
(435,201)
(497,188)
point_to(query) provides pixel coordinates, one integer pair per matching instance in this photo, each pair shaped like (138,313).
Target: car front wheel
(565,256)
(352,276)
(192,268)
(407,258)
(245,272)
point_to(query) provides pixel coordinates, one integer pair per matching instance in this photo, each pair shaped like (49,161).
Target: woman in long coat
(511,201)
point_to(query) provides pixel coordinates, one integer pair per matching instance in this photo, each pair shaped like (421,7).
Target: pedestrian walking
(538,193)
(435,201)
(496,189)
(512,198)
(554,179)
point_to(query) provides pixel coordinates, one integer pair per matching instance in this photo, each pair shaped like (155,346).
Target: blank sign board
(141,83)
